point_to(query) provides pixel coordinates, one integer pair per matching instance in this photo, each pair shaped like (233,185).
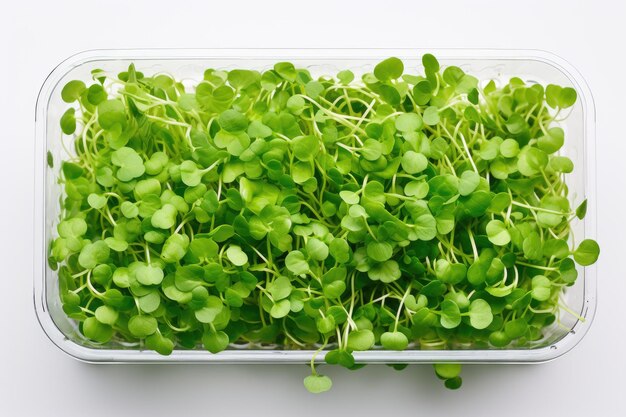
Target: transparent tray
(189,65)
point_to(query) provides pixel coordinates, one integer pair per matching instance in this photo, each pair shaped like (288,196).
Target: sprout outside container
(576,302)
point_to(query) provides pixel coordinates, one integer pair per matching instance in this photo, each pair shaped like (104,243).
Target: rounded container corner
(57,338)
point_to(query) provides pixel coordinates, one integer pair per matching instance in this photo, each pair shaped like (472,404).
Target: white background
(36,379)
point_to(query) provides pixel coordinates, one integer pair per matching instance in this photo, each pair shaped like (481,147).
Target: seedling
(396,210)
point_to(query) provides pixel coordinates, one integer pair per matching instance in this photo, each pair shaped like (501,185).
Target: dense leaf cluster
(405,211)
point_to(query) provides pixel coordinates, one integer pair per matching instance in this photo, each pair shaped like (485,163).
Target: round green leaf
(72,91)
(296,263)
(96,94)
(93,254)
(567,97)
(552,141)
(413,162)
(349,197)
(165,217)
(431,116)
(212,307)
(453,383)
(237,256)
(417,189)
(386,272)
(106,315)
(425,227)
(480,314)
(587,252)
(316,249)
(325,324)
(361,340)
(468,182)
(175,248)
(112,115)
(215,342)
(541,288)
(286,70)
(97,331)
(204,248)
(447,370)
(142,326)
(96,201)
(561,164)
(389,69)
(68,121)
(408,122)
(190,174)
(233,121)
(515,328)
(305,148)
(340,250)
(317,384)
(450,314)
(149,302)
(149,274)
(394,340)
(280,288)
(280,309)
(379,251)
(334,289)
(430,63)
(531,161)
(159,343)
(498,233)
(509,148)
(372,150)
(129,210)
(129,162)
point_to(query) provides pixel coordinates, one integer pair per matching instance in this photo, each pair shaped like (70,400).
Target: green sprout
(392,210)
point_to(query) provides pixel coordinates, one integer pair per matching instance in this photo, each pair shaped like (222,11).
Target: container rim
(94,355)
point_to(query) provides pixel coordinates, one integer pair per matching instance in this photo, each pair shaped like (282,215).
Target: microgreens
(272,208)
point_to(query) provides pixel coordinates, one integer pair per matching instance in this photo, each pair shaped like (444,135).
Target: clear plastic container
(189,65)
